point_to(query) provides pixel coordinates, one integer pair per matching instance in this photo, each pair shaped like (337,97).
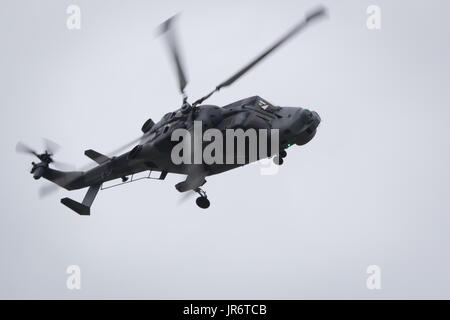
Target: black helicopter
(153,149)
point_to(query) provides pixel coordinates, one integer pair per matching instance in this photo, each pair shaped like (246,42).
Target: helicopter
(152,150)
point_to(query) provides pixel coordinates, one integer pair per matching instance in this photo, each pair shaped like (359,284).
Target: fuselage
(154,151)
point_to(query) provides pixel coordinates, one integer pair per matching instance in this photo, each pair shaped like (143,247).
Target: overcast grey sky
(371,188)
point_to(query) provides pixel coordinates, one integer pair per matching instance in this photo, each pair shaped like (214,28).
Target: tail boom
(69,180)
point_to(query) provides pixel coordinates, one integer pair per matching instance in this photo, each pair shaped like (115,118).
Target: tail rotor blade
(23,148)
(51,146)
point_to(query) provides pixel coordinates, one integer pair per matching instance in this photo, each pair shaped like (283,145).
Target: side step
(83,208)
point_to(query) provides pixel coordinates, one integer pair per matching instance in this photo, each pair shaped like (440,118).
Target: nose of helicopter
(313,117)
(311,121)
(316,118)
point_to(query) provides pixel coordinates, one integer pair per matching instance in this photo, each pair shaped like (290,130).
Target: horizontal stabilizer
(84,208)
(79,208)
(97,157)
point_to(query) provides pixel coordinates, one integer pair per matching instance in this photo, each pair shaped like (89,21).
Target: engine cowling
(134,152)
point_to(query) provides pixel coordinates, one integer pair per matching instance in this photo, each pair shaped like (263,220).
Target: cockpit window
(263,104)
(266,106)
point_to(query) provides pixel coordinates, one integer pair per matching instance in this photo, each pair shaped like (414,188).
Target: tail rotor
(45,158)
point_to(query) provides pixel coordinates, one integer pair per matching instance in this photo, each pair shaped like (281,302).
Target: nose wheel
(279,159)
(202,201)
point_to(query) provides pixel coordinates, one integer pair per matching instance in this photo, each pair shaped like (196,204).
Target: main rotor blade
(23,148)
(317,13)
(125,146)
(47,190)
(185,196)
(167,29)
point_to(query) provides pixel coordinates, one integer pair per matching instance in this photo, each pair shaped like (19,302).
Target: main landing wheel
(202,202)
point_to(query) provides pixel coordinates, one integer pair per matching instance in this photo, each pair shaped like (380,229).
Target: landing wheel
(283,154)
(202,202)
(278,160)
